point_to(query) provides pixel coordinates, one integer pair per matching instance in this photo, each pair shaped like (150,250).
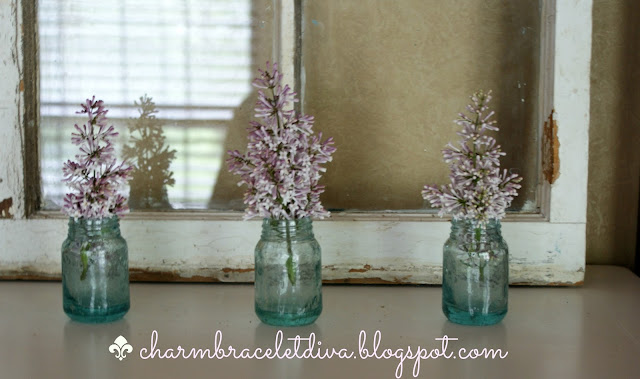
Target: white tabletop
(586,332)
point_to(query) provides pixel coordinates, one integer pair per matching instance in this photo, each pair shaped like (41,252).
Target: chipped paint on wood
(571,100)
(5,208)
(362,281)
(22,275)
(11,110)
(393,276)
(146,275)
(366,268)
(551,284)
(237,270)
(550,150)
(407,253)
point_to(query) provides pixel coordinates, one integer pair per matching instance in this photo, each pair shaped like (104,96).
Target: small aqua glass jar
(475,273)
(95,271)
(288,273)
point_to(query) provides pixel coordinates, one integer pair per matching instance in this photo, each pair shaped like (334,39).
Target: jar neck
(298,229)
(473,230)
(94,228)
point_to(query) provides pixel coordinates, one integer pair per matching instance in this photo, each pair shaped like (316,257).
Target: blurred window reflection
(195,58)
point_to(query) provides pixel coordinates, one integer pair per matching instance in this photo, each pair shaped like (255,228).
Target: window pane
(387,78)
(195,58)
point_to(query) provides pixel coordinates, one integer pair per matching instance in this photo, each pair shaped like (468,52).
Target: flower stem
(85,265)
(478,238)
(290,269)
(85,259)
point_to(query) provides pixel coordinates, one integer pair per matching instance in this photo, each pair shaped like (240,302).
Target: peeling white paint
(394,250)
(571,102)
(11,107)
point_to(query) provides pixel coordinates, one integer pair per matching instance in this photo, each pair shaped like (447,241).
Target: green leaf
(291,271)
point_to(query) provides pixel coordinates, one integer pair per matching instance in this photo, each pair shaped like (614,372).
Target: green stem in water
(290,269)
(478,235)
(85,260)
(85,265)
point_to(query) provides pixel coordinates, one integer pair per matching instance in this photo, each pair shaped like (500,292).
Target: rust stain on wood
(27,273)
(135,275)
(144,275)
(364,281)
(29,277)
(550,150)
(5,208)
(22,86)
(366,268)
(237,270)
(549,284)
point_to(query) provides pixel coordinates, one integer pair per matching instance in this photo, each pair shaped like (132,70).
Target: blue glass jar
(95,271)
(288,273)
(475,273)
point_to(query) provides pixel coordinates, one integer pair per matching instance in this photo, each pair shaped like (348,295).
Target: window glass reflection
(194,58)
(386,79)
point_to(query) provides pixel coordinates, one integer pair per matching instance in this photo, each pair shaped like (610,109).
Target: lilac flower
(479,190)
(284,159)
(95,178)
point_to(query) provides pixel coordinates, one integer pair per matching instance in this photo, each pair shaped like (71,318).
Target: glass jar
(475,273)
(288,273)
(95,271)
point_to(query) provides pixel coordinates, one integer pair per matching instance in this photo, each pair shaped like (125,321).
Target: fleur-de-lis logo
(120,348)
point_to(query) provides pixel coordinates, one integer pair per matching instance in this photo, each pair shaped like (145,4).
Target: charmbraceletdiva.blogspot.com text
(308,347)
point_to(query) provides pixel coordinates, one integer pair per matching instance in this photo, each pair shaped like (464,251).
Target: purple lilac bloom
(284,159)
(95,178)
(479,190)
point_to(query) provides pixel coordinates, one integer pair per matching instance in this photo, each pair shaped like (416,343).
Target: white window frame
(546,248)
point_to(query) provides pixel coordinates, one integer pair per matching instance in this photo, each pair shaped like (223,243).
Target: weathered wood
(360,251)
(11,110)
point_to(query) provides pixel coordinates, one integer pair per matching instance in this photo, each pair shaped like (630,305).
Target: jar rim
(286,222)
(84,220)
(92,225)
(469,224)
(282,228)
(467,221)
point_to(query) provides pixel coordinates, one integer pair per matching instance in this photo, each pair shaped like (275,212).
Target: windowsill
(573,332)
(382,215)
